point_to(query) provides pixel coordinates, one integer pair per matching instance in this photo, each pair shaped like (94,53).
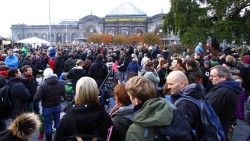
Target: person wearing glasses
(224,96)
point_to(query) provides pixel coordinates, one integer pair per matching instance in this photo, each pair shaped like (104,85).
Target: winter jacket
(224,98)
(133,67)
(98,71)
(19,96)
(12,61)
(50,92)
(154,112)
(86,119)
(188,107)
(75,74)
(31,85)
(121,121)
(58,67)
(245,75)
(199,49)
(162,73)
(22,128)
(69,64)
(122,65)
(153,76)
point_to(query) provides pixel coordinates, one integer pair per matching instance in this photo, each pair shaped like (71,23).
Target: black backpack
(178,130)
(5,102)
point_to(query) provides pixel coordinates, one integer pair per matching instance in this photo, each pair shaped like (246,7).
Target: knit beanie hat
(246,59)
(47,73)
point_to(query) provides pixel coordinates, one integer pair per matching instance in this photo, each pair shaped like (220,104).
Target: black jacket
(31,85)
(87,119)
(224,98)
(75,74)
(19,96)
(59,66)
(50,92)
(188,107)
(98,71)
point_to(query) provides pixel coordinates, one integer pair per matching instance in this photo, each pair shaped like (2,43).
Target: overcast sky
(36,12)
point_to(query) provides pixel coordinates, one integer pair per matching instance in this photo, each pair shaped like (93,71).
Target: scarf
(27,76)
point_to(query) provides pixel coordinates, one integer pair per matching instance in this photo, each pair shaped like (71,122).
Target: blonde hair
(230,59)
(86,91)
(141,88)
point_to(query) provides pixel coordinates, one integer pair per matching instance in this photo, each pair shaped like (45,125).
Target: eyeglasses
(213,76)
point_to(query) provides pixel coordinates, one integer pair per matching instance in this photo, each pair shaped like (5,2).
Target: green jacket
(155,112)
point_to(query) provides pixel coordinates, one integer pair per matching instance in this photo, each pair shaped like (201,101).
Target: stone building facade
(125,19)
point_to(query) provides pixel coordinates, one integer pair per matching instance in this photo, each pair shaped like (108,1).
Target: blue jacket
(133,67)
(199,49)
(12,61)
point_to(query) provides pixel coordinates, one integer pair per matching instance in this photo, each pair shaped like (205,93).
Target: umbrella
(33,40)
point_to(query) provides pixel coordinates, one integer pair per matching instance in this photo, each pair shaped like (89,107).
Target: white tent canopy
(33,40)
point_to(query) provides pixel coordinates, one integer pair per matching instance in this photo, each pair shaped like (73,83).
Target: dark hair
(24,68)
(12,72)
(99,57)
(131,74)
(191,63)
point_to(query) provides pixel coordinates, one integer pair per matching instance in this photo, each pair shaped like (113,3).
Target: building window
(125,32)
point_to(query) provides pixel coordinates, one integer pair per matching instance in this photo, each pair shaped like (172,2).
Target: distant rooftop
(126,8)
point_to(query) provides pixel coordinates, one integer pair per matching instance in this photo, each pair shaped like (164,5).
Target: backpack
(5,102)
(212,129)
(178,130)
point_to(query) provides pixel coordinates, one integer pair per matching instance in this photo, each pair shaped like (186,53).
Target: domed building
(125,19)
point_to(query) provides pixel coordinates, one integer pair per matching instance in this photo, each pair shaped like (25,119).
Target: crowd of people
(143,76)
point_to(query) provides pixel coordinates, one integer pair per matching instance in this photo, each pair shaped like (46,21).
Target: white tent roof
(33,40)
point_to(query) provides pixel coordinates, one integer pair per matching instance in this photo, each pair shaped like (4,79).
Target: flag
(114,67)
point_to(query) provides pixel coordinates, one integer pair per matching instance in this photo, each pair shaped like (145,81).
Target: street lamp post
(49,26)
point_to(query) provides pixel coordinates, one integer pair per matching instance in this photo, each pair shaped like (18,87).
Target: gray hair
(223,71)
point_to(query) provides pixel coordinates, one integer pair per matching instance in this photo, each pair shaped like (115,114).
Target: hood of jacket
(231,84)
(25,125)
(196,72)
(92,114)
(154,112)
(51,80)
(13,80)
(195,90)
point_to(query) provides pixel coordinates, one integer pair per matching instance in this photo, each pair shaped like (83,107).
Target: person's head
(175,81)
(131,74)
(99,57)
(110,59)
(197,55)
(149,64)
(230,59)
(27,70)
(237,78)
(79,63)
(135,59)
(191,64)
(207,64)
(10,52)
(176,62)
(29,56)
(219,73)
(120,95)
(162,64)
(14,72)
(140,89)
(48,73)
(86,91)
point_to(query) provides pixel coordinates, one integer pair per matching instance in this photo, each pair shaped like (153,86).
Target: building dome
(126,9)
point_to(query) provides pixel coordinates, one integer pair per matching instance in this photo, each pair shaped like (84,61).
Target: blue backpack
(212,129)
